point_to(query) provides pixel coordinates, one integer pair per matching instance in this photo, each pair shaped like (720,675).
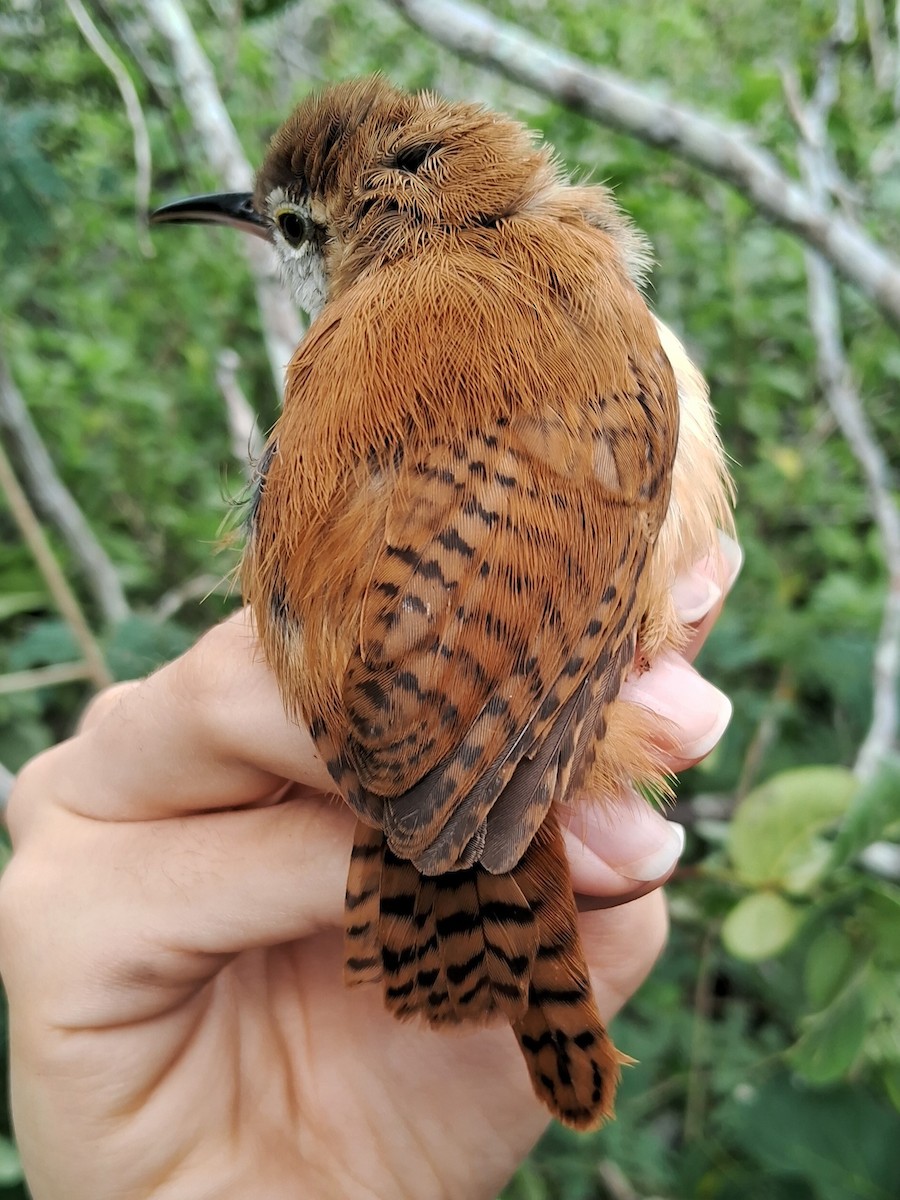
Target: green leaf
(829,963)
(138,645)
(833,1038)
(14,603)
(775,833)
(842,1141)
(879,917)
(761,926)
(890,1077)
(10,1163)
(526,1184)
(48,641)
(873,809)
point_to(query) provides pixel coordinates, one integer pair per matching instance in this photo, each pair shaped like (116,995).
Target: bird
(491,463)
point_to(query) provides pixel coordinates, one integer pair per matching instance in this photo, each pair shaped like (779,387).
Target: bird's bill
(218,208)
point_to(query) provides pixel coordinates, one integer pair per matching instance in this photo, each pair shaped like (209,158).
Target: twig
(765,733)
(135,113)
(615,1181)
(246,439)
(197,588)
(720,149)
(280,322)
(39,677)
(54,500)
(880,48)
(842,395)
(65,599)
(7,779)
(697,1083)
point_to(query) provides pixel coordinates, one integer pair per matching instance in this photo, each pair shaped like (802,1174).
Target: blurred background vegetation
(769,1036)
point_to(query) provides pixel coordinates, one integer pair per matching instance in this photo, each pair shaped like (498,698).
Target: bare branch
(718,148)
(135,114)
(54,500)
(63,596)
(880,48)
(198,588)
(7,779)
(39,677)
(840,391)
(281,324)
(246,439)
(844,401)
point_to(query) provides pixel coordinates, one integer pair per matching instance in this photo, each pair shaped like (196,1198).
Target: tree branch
(720,149)
(40,677)
(54,500)
(246,440)
(135,115)
(281,324)
(840,391)
(7,779)
(95,667)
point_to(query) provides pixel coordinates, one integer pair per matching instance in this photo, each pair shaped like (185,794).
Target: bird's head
(363,173)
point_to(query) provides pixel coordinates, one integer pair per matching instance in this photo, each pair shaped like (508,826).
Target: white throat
(302,267)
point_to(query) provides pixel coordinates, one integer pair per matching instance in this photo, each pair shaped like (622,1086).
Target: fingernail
(733,556)
(627,840)
(698,712)
(661,861)
(694,594)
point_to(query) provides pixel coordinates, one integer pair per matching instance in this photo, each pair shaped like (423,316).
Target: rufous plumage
(491,465)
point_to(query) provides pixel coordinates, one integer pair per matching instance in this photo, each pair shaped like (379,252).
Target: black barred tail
(573,1063)
(472,946)
(450,948)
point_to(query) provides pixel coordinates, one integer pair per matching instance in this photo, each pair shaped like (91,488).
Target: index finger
(205,732)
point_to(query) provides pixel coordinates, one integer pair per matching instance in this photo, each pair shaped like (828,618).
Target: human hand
(171,943)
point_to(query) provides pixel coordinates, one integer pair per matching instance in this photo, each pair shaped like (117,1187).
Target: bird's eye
(294,228)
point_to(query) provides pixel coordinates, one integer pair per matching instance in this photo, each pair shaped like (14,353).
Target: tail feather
(431,997)
(573,1064)
(510,941)
(460,935)
(469,946)
(362,943)
(398,933)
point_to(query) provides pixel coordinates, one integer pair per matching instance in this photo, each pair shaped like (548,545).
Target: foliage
(769,1038)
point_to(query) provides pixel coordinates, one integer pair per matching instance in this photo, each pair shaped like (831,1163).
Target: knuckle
(32,791)
(101,705)
(25,887)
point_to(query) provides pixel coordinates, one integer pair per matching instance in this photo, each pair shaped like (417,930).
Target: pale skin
(171,939)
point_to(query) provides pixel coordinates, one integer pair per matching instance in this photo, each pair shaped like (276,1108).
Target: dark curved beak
(219,208)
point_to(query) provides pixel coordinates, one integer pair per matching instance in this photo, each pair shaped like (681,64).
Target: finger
(619,849)
(207,731)
(137,914)
(700,592)
(621,945)
(692,713)
(254,878)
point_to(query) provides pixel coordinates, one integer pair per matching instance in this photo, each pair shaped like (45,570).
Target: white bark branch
(880,49)
(716,147)
(246,439)
(843,398)
(135,115)
(55,502)
(280,321)
(201,587)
